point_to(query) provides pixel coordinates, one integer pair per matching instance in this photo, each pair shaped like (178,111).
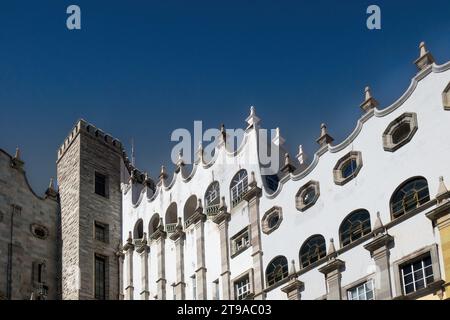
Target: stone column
(379,250)
(179,237)
(129,249)
(143,250)
(294,286)
(198,219)
(159,236)
(120,257)
(222,220)
(252,196)
(332,271)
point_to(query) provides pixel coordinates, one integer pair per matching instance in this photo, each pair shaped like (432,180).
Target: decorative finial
(163,174)
(288,165)
(378,227)
(252,179)
(180,162)
(130,238)
(253,120)
(369,102)
(442,191)
(179,226)
(425,59)
(292,272)
(51,185)
(331,248)
(301,156)
(223,204)
(199,205)
(17,155)
(222,136)
(324,138)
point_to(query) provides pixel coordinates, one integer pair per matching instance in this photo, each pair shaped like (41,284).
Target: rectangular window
(101,232)
(100,184)
(242,288)
(417,274)
(240,242)
(362,292)
(100,277)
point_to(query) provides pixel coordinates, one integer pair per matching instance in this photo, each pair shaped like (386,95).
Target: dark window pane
(100,277)
(100,184)
(401,132)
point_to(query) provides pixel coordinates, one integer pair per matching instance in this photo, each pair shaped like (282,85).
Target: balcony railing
(171,227)
(212,210)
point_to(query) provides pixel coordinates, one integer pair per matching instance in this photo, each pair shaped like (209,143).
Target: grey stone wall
(27,249)
(86,151)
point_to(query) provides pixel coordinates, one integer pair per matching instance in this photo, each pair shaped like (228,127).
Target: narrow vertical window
(100,277)
(100,184)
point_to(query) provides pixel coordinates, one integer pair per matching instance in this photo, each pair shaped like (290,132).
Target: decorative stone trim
(234,250)
(434,254)
(446,97)
(275,211)
(249,274)
(406,118)
(37,230)
(339,179)
(300,202)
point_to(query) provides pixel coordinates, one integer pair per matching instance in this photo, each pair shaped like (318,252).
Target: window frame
(338,176)
(323,251)
(431,250)
(240,184)
(250,293)
(212,206)
(364,231)
(266,229)
(407,117)
(284,264)
(235,251)
(418,202)
(104,294)
(299,198)
(105,227)
(362,284)
(106,184)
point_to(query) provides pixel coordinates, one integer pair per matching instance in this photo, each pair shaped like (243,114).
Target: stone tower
(89,170)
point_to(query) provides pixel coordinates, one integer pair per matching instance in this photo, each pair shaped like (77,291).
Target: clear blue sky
(143,68)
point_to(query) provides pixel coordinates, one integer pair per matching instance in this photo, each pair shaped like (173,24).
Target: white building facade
(361,220)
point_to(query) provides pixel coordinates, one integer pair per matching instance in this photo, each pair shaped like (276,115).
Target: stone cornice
(221,217)
(378,242)
(293,284)
(439,212)
(252,193)
(332,265)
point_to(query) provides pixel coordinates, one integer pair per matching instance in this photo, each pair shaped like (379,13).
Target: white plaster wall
(382,172)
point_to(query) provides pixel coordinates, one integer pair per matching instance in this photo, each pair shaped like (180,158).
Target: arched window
(312,250)
(171,218)
(138,232)
(212,198)
(410,195)
(354,227)
(277,270)
(189,210)
(238,187)
(153,225)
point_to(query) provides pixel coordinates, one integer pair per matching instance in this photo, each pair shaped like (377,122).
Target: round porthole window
(39,231)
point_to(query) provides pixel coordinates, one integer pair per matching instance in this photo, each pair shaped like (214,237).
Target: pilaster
(379,250)
(252,197)
(179,238)
(332,271)
(222,221)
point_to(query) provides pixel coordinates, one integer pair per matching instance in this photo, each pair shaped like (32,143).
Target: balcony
(171,227)
(213,210)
